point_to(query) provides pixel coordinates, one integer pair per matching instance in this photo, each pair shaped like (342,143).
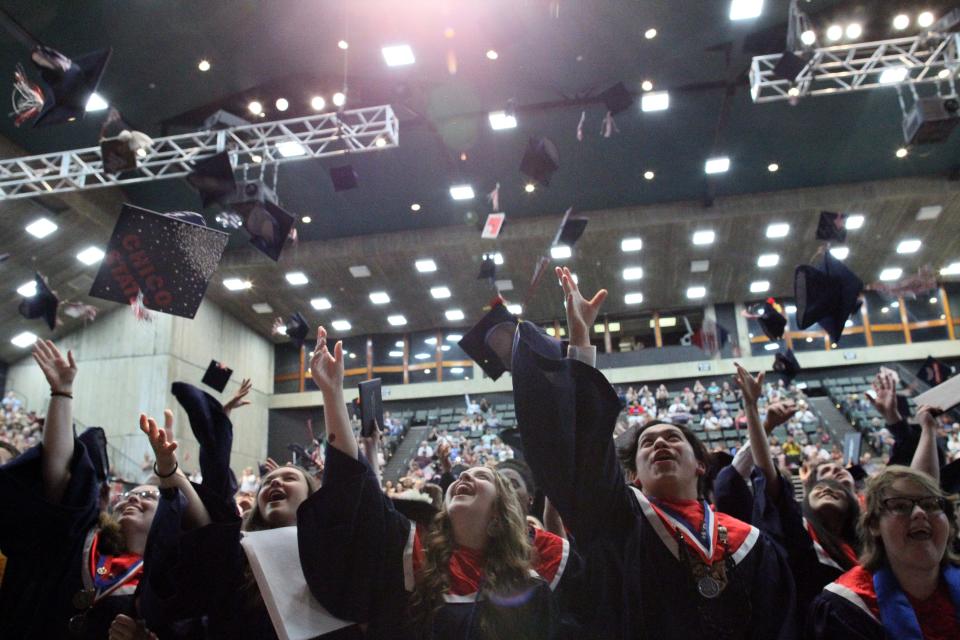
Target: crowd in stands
(19,429)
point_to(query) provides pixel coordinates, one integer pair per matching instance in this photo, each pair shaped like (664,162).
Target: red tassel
(140,311)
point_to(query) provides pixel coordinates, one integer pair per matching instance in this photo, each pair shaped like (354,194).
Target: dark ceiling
(555,56)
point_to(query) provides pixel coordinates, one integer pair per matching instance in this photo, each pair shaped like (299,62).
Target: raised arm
(925,457)
(239,398)
(58,428)
(581,312)
(167,469)
(326,369)
(752,387)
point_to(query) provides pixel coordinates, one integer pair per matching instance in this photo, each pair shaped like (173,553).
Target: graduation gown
(47,547)
(638,586)
(861,605)
(361,556)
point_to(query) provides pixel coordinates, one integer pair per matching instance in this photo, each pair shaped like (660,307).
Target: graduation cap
(786,363)
(934,372)
(710,337)
(169,259)
(570,230)
(344,178)
(832,226)
(420,511)
(117,155)
(540,160)
(67,83)
(488,268)
(857,471)
(772,321)
(217,375)
(213,178)
(43,304)
(826,294)
(269,227)
(371,406)
(187,216)
(617,98)
(297,329)
(490,341)
(95,442)
(789,66)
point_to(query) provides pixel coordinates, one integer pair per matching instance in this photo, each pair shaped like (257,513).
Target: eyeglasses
(903,505)
(145,494)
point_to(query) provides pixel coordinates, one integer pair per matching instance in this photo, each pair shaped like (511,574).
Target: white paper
(944,396)
(275,560)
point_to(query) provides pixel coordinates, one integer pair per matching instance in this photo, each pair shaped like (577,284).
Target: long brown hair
(832,543)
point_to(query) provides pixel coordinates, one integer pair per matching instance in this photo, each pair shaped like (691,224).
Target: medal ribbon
(103,587)
(704,542)
(896,613)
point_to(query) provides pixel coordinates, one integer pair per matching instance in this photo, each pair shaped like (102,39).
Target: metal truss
(858,66)
(251,147)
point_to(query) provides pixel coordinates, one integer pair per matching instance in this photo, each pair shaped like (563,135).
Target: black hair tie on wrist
(156,472)
(62,394)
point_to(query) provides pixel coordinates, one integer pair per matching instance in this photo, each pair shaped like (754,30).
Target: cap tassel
(609,125)
(583,118)
(494,198)
(27,98)
(140,311)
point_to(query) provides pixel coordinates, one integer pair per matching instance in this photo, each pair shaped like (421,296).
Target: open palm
(581,313)
(326,368)
(59,371)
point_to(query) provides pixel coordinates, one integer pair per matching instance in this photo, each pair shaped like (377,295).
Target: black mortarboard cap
(786,363)
(826,294)
(65,93)
(269,227)
(297,329)
(570,230)
(117,155)
(789,66)
(772,322)
(540,160)
(217,375)
(170,259)
(488,268)
(419,511)
(213,178)
(477,342)
(344,178)
(832,226)
(858,472)
(934,372)
(617,98)
(43,304)
(95,442)
(371,406)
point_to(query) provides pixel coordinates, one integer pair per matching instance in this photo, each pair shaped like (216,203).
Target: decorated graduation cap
(217,375)
(832,226)
(488,268)
(489,342)
(771,321)
(43,304)
(786,363)
(169,259)
(344,178)
(540,160)
(617,98)
(371,406)
(269,227)
(570,229)
(67,83)
(934,372)
(213,178)
(827,294)
(297,329)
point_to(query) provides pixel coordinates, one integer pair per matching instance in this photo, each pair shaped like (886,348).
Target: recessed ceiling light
(306,219)
(778,230)
(840,253)
(262,307)
(930,212)
(456,370)
(893,75)
(631,244)
(28,289)
(440,292)
(717,165)
(504,285)
(500,120)
(291,149)
(297,278)
(529,187)
(497,258)
(415,207)
(515,309)
(255,107)
(320,304)
(854,30)
(422,356)
(379,297)
(895,304)
(891,273)
(854,221)
(696,292)
(203,65)
(341,325)
(901,22)
(360,271)
(655,101)
(339,99)
(41,227)
(771,346)
(884,309)
(952,269)
(282,104)
(426,265)
(834,32)
(647,85)
(699,266)
(633,273)
(745,9)
(380,141)
(454,314)
(560,252)
(343,44)
(759,286)
(934,300)
(96,103)
(492,55)
(650,34)
(908,246)
(768,260)
(318,103)
(24,340)
(902,152)
(649,175)
(396,320)
(925,19)
(703,237)
(791,308)
(395,354)
(633,298)
(454,337)
(398,344)
(236,284)
(90,255)
(398,55)
(461,192)
(773,167)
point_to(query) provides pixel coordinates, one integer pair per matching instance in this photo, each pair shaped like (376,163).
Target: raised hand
(926,418)
(778,413)
(126,628)
(581,313)
(750,386)
(161,441)
(443,455)
(58,371)
(885,390)
(239,398)
(326,368)
(271,465)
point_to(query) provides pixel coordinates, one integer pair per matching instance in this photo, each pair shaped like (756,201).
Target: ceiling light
(647,85)
(317,103)
(255,107)
(778,230)
(696,292)
(497,258)
(649,175)
(398,55)
(28,289)
(395,354)
(262,307)
(320,304)
(854,30)
(809,339)
(282,104)
(840,253)
(930,212)
(90,255)
(236,284)
(650,34)
(944,73)
(461,192)
(339,99)
(745,9)
(422,356)
(297,278)
(768,260)
(892,75)
(655,101)
(633,273)
(834,32)
(560,252)
(96,103)
(891,273)
(771,346)
(884,309)
(717,165)
(380,142)
(633,298)
(902,152)
(793,91)
(631,244)
(854,222)
(808,37)
(895,304)
(203,65)
(396,321)
(759,286)
(773,167)
(699,266)
(515,309)
(703,237)
(502,120)
(343,44)
(925,19)
(341,325)
(440,293)
(952,269)
(529,187)
(791,308)
(934,300)
(504,285)
(492,55)
(908,246)
(613,327)
(24,340)
(291,149)
(379,297)
(360,271)
(426,265)
(456,370)
(256,158)
(41,227)
(901,22)
(454,315)
(306,219)
(415,207)
(454,337)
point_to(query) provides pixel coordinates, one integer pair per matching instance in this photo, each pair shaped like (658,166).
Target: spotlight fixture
(236,284)
(203,65)
(893,75)
(415,207)
(343,44)
(854,31)
(646,85)
(282,104)
(649,175)
(317,103)
(773,167)
(492,55)
(808,37)
(925,19)
(306,219)
(398,55)
(650,34)
(255,107)
(339,99)
(901,22)
(902,152)
(529,187)
(834,32)
(716,165)
(745,9)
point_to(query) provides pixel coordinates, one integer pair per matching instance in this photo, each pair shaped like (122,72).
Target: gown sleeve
(732,496)
(832,618)
(214,433)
